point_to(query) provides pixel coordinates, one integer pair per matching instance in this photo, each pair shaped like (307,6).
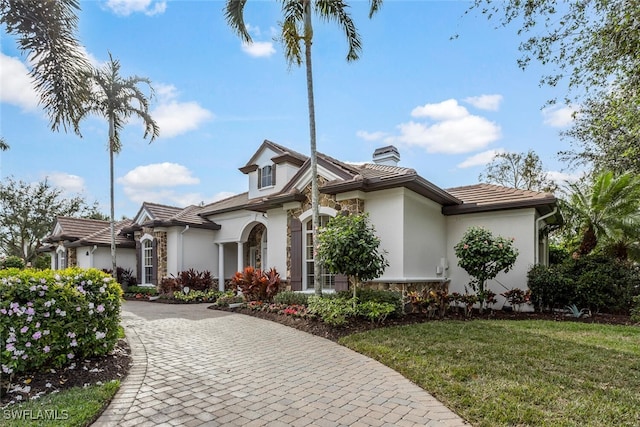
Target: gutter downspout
(186,228)
(537,236)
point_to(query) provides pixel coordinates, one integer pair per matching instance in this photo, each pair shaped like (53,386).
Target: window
(267,176)
(62,259)
(327,279)
(147,261)
(263,247)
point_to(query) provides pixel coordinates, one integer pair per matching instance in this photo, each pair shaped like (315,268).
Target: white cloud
(16,87)
(127,7)
(485,102)
(258,49)
(563,177)
(480,159)
(158,175)
(221,195)
(69,184)
(371,136)
(445,110)
(253,29)
(175,118)
(558,116)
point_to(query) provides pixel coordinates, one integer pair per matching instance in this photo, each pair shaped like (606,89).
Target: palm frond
(46,32)
(291,36)
(234,14)
(336,11)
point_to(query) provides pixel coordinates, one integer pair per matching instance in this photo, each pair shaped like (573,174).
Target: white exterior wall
(277,241)
(173,250)
(425,236)
(284,172)
(101,257)
(386,212)
(518,224)
(199,251)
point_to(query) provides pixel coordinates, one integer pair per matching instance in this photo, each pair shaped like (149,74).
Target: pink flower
(37,335)
(70,356)
(46,349)
(100,308)
(24,329)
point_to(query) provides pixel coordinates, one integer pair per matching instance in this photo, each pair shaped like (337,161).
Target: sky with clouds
(441,85)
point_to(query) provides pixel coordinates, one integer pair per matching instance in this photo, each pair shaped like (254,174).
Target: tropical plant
(348,245)
(296,27)
(117,98)
(257,285)
(606,212)
(46,32)
(483,256)
(3,145)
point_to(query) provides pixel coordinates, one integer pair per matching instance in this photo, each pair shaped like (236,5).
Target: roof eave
(465,208)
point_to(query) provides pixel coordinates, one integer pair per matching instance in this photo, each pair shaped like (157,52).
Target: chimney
(388,156)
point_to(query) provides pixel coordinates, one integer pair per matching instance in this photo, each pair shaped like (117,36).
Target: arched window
(147,261)
(327,279)
(61,258)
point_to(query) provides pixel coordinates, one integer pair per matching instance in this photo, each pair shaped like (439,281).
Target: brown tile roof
(490,197)
(170,216)
(160,212)
(75,228)
(239,201)
(103,237)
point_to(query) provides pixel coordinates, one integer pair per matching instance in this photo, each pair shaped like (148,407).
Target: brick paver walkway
(198,367)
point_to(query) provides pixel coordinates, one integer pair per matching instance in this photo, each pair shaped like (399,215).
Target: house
(269,225)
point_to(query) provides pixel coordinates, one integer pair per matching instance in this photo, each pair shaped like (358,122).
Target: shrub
(332,311)
(635,309)
(376,312)
(211,295)
(257,285)
(550,288)
(195,280)
(49,318)
(229,298)
(375,295)
(11,262)
(291,298)
(517,297)
(144,290)
(124,276)
(169,285)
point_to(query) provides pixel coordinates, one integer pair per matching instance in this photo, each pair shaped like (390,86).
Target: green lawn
(76,407)
(517,373)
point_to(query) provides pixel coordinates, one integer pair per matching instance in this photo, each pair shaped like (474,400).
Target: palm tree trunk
(315,209)
(589,241)
(112,199)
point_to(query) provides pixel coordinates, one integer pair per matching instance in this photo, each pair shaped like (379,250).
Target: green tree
(483,256)
(46,32)
(518,170)
(605,212)
(117,98)
(28,213)
(297,28)
(593,46)
(348,245)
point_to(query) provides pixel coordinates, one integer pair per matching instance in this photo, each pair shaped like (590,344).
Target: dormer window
(267,176)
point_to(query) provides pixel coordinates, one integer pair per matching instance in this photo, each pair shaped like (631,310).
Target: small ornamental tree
(483,256)
(348,245)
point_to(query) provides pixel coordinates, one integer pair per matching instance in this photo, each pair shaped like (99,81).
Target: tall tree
(593,45)
(46,32)
(117,98)
(297,28)
(518,170)
(605,212)
(29,211)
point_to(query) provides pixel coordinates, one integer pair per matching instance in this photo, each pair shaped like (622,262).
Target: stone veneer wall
(72,257)
(254,239)
(161,253)
(352,206)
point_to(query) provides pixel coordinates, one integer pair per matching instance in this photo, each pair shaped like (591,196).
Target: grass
(524,373)
(75,407)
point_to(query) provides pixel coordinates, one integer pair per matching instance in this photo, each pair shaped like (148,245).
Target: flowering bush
(48,318)
(483,256)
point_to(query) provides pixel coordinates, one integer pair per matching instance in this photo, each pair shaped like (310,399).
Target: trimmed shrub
(291,298)
(376,312)
(50,318)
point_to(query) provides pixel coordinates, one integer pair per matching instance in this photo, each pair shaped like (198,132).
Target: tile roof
(103,237)
(230,203)
(75,228)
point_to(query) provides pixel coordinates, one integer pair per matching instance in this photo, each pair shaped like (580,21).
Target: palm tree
(606,212)
(46,31)
(3,145)
(117,98)
(297,27)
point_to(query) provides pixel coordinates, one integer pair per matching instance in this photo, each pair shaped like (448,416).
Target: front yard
(505,373)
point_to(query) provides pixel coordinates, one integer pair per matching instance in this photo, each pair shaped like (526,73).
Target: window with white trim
(267,176)
(147,261)
(62,259)
(263,248)
(327,279)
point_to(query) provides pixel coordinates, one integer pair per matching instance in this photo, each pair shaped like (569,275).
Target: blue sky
(448,105)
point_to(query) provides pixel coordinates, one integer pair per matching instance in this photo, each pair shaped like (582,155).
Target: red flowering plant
(255,284)
(517,297)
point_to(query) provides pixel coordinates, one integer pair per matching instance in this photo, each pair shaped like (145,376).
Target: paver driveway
(198,367)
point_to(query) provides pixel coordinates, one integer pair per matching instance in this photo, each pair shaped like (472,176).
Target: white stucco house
(269,225)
